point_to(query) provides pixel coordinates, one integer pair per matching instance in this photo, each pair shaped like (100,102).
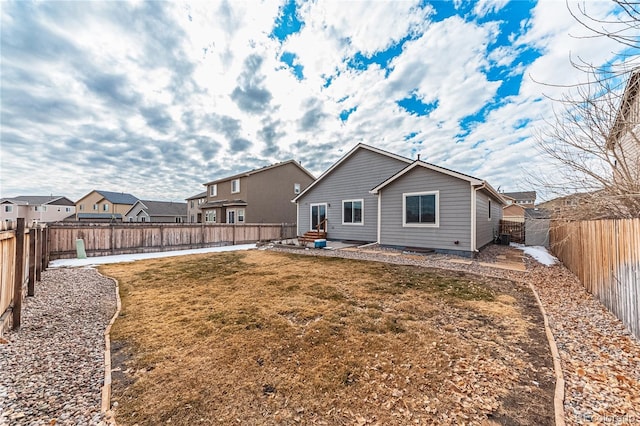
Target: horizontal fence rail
(605,256)
(102,239)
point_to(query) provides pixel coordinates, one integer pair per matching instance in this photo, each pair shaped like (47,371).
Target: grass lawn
(259,337)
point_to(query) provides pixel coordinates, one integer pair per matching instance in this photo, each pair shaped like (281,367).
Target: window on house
(352,212)
(240,215)
(235,186)
(35,209)
(178,219)
(421,209)
(210,216)
(8,208)
(95,207)
(105,207)
(489,209)
(296,188)
(213,191)
(192,203)
(44,208)
(81,207)
(67,209)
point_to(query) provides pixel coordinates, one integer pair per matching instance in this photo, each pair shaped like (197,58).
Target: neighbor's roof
(344,158)
(161,208)
(526,195)
(223,203)
(41,199)
(200,195)
(99,216)
(538,213)
(262,169)
(118,197)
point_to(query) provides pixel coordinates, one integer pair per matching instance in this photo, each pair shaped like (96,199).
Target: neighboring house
(194,212)
(525,199)
(624,138)
(46,208)
(104,206)
(157,212)
(371,195)
(257,196)
(513,213)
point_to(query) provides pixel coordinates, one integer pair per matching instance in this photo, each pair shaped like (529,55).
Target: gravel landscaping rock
(52,369)
(600,358)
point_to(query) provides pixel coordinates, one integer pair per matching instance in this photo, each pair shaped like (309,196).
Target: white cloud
(139,97)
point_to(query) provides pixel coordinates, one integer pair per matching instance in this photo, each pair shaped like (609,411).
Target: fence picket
(605,256)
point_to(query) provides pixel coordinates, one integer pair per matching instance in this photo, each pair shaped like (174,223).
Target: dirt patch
(271,338)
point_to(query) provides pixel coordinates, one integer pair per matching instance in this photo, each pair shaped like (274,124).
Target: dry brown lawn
(260,337)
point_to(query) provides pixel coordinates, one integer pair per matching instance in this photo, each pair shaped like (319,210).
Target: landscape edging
(558,398)
(105,407)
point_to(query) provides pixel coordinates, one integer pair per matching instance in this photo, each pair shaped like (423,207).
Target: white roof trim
(345,157)
(472,180)
(133,206)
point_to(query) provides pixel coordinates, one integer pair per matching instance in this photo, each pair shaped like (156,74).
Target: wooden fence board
(105,239)
(605,256)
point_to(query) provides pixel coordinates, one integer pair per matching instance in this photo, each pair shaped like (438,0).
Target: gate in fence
(516,230)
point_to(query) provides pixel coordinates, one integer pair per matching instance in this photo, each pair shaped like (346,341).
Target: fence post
(32,262)
(38,256)
(43,248)
(19,275)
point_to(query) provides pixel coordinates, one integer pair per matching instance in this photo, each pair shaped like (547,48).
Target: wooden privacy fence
(23,256)
(605,256)
(101,239)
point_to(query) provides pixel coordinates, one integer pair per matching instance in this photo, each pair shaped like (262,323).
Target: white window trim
(238,215)
(296,188)
(361,223)
(489,215)
(420,225)
(237,189)
(8,208)
(213,191)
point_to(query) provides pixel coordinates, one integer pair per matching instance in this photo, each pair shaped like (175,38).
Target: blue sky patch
(382,58)
(415,106)
(288,22)
(344,115)
(289,59)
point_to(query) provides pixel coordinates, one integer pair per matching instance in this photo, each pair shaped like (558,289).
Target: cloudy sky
(156,98)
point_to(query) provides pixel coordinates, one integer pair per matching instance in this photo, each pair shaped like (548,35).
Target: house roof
(40,200)
(118,197)
(161,208)
(99,216)
(260,170)
(479,183)
(200,195)
(223,203)
(526,195)
(344,158)
(537,213)
(629,96)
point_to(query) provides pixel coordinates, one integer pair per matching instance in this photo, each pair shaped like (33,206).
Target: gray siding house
(157,211)
(346,186)
(371,195)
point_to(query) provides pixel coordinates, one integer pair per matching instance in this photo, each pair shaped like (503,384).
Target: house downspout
(379,211)
(473,218)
